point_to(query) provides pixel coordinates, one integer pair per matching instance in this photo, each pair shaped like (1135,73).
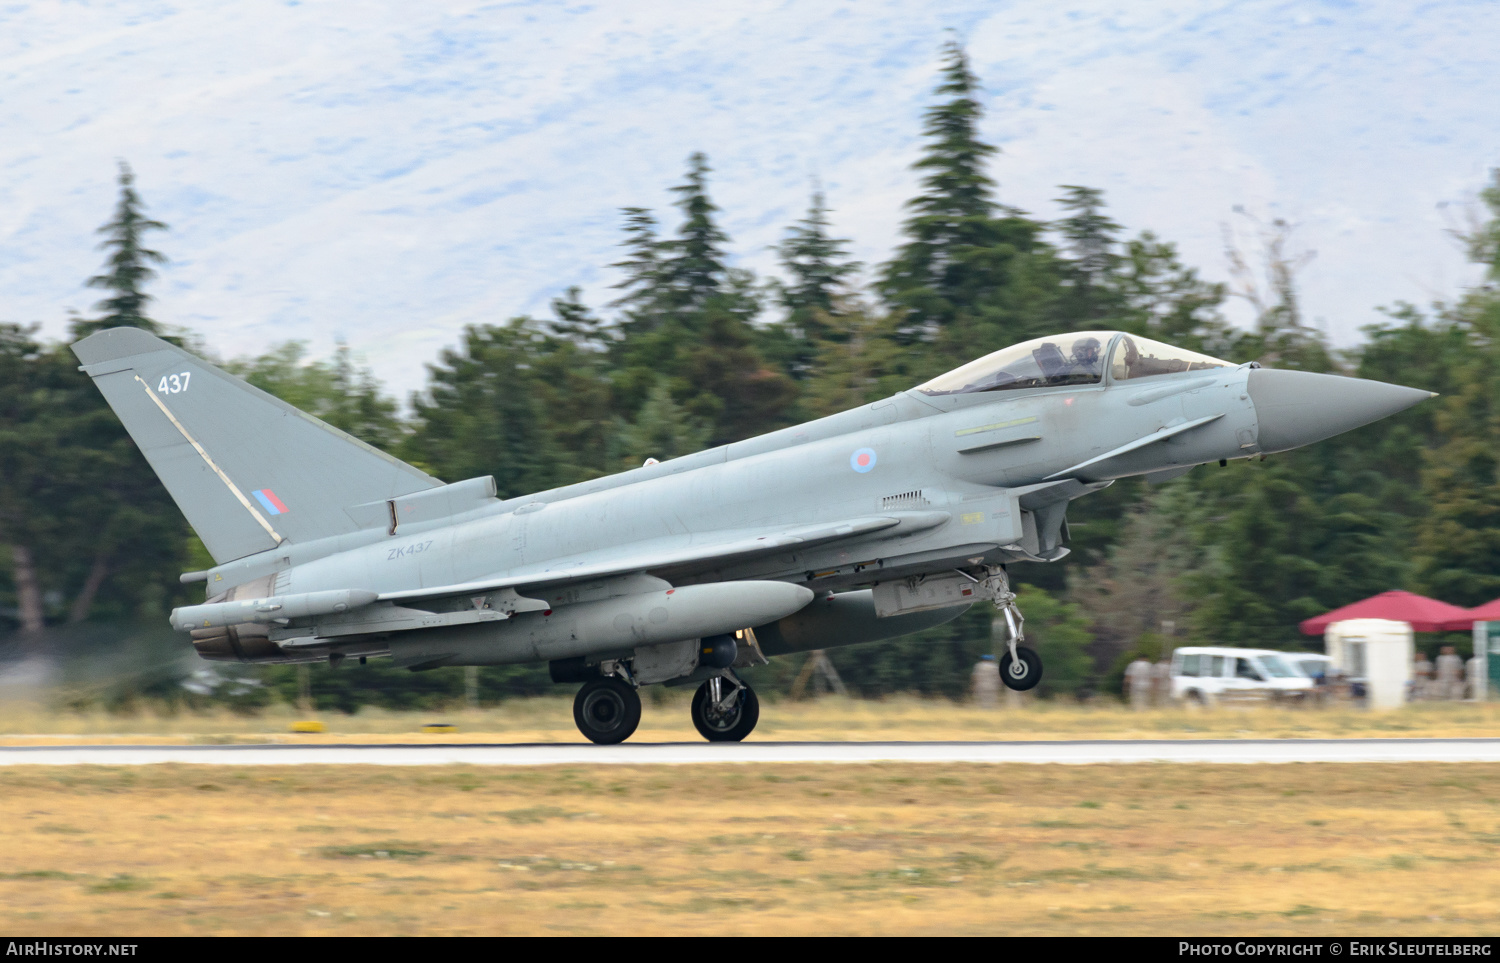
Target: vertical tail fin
(248,470)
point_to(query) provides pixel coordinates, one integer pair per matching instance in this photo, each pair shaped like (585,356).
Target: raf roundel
(862,460)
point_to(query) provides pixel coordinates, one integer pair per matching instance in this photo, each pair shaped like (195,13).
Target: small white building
(1376,653)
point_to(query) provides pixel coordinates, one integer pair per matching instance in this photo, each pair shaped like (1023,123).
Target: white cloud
(390,172)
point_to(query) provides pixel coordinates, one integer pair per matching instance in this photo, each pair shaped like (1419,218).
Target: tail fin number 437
(173,384)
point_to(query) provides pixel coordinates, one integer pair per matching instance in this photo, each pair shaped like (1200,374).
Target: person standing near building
(1138,682)
(1450,675)
(1421,677)
(1477,681)
(986,682)
(1161,682)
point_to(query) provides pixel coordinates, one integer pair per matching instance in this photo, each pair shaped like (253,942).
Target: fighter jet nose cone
(1296,408)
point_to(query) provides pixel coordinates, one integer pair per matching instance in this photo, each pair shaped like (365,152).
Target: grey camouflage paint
(914,486)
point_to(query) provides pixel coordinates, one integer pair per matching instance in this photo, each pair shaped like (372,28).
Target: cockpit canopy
(1143,358)
(1068,359)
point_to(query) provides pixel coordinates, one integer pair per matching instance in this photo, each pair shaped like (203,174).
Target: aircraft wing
(733,548)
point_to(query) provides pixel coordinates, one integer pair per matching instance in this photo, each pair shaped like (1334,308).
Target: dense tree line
(694,351)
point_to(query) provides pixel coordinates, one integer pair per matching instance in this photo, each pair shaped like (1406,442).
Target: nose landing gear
(1020,667)
(1021,670)
(725,709)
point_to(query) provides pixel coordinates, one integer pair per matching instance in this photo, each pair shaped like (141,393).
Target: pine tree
(97,495)
(859,362)
(730,386)
(128,265)
(644,285)
(695,265)
(1285,540)
(571,366)
(958,191)
(819,269)
(1458,545)
(83,520)
(482,415)
(25,471)
(662,430)
(575,322)
(1162,298)
(1090,240)
(1483,241)
(690,318)
(671,279)
(954,215)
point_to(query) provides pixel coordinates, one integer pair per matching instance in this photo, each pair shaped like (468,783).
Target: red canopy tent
(1488,612)
(1424,614)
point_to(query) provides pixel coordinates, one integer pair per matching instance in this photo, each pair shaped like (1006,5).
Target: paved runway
(1069,753)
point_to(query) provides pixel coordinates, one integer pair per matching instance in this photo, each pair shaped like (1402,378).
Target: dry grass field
(783,849)
(665,719)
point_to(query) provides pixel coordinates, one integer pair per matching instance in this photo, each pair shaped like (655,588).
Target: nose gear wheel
(1021,672)
(1020,667)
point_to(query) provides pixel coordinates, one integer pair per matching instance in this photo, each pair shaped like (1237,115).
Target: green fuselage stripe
(999,424)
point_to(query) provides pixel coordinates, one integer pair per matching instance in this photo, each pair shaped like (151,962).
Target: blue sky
(388,172)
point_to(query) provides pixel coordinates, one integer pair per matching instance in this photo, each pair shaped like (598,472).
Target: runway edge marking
(1071,752)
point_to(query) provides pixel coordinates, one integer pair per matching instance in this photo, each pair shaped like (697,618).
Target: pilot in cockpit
(1086,357)
(1081,366)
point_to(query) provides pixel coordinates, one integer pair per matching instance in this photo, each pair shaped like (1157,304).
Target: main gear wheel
(725,710)
(607,710)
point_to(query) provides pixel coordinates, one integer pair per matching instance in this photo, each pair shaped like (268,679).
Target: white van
(1310,664)
(1209,672)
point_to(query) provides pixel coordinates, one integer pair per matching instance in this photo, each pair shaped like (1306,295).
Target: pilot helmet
(1086,351)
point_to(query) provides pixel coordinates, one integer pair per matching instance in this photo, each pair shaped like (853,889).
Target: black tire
(607,711)
(731,727)
(1024,674)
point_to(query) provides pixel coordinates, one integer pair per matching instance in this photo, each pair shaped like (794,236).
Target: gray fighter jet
(868,524)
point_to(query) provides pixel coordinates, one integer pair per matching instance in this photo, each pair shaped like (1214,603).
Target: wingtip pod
(1296,408)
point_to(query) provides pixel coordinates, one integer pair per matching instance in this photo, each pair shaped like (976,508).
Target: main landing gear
(725,709)
(1020,667)
(607,710)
